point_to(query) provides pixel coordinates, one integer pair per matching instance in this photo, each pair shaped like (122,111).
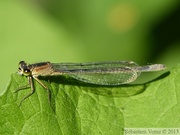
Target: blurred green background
(144,31)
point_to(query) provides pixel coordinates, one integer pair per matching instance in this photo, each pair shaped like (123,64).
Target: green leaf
(80,108)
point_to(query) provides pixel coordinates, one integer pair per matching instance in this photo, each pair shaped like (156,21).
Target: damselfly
(100,73)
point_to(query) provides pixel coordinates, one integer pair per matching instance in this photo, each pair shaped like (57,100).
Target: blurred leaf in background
(78,31)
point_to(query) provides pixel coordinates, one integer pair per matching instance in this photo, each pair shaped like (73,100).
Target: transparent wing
(103,73)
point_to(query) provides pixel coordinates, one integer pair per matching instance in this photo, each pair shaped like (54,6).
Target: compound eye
(26,71)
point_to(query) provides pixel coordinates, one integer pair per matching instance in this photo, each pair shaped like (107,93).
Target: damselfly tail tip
(159,67)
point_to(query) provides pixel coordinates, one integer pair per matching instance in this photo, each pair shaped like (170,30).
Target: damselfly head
(23,69)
